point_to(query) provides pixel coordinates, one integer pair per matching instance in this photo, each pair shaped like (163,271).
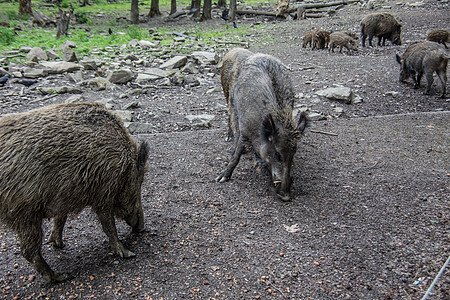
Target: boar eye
(277,155)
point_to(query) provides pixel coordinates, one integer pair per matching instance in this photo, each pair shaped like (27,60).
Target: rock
(75,98)
(126,115)
(145,77)
(76,76)
(59,90)
(136,128)
(190,68)
(120,76)
(201,117)
(146,44)
(59,67)
(315,116)
(340,93)
(37,53)
(98,84)
(90,63)
(34,72)
(175,62)
(205,57)
(69,55)
(25,49)
(68,44)
(52,54)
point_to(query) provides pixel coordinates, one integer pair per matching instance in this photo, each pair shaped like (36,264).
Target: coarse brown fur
(320,39)
(342,40)
(231,67)
(59,159)
(439,36)
(382,25)
(262,99)
(424,58)
(307,38)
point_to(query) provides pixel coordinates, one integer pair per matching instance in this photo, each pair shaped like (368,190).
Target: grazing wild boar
(262,100)
(320,39)
(421,58)
(439,36)
(382,25)
(231,66)
(342,40)
(59,159)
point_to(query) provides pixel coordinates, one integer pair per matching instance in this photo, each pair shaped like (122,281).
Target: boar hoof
(222,179)
(124,252)
(56,278)
(55,242)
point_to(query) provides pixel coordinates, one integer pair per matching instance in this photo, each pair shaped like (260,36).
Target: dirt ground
(370,218)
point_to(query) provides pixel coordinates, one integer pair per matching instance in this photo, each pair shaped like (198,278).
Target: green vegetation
(94,22)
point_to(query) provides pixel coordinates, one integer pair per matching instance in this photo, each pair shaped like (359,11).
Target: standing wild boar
(262,100)
(320,39)
(307,38)
(382,25)
(342,40)
(439,36)
(59,159)
(424,58)
(231,66)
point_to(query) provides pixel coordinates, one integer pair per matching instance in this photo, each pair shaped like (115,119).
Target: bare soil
(371,209)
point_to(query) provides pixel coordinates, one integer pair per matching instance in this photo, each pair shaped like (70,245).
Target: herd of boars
(62,158)
(420,58)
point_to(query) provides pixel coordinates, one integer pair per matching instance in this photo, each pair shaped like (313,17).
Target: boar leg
(239,148)
(442,74)
(30,247)
(418,79)
(56,234)
(429,78)
(109,228)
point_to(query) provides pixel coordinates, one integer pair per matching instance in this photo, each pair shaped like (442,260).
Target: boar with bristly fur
(307,38)
(231,66)
(382,25)
(342,40)
(439,36)
(320,39)
(59,159)
(424,58)
(262,100)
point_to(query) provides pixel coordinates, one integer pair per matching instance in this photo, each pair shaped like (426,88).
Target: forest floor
(370,216)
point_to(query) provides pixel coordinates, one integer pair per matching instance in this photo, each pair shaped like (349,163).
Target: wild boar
(307,38)
(382,25)
(59,159)
(439,36)
(262,100)
(231,66)
(421,58)
(342,40)
(320,39)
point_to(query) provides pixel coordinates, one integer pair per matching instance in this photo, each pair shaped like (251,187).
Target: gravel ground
(370,215)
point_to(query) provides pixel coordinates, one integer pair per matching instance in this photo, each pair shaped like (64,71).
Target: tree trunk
(173,6)
(25,7)
(134,11)
(206,15)
(64,20)
(222,3)
(232,10)
(196,4)
(154,9)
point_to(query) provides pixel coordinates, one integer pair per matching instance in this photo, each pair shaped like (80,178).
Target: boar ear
(302,122)
(398,58)
(142,157)
(268,128)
